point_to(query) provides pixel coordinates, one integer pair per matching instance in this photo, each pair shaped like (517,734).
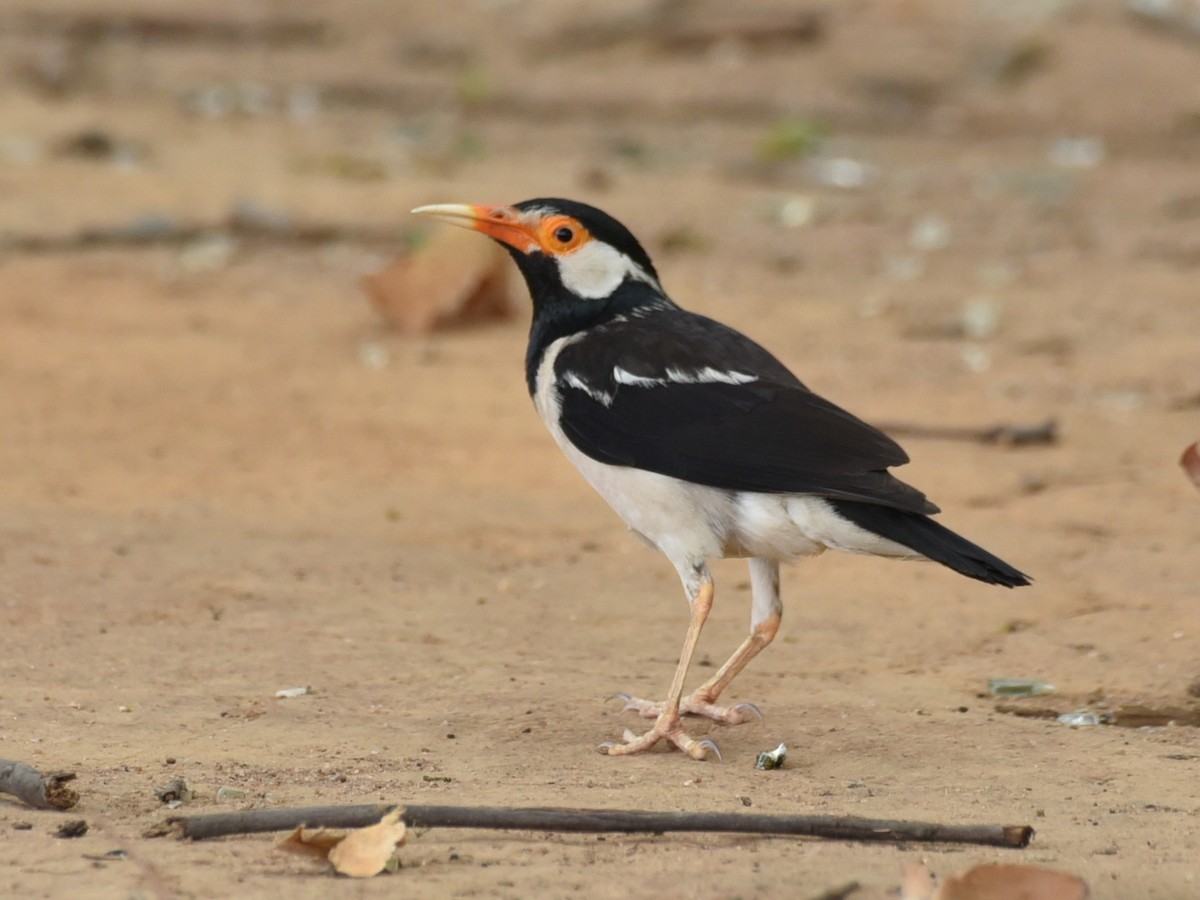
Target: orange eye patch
(561,234)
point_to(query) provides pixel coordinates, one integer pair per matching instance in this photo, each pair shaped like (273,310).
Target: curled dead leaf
(456,278)
(1191,463)
(316,842)
(368,851)
(360,853)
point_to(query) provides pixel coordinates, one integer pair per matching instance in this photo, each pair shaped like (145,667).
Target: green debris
(771,759)
(792,138)
(1019,687)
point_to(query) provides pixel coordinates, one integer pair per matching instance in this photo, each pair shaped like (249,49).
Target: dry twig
(33,788)
(153,231)
(1003,435)
(844,828)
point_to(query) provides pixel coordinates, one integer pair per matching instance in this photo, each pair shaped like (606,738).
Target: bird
(703,443)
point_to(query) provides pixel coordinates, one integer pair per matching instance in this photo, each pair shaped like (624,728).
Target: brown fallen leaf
(360,853)
(315,842)
(1191,463)
(456,278)
(992,881)
(1004,882)
(368,851)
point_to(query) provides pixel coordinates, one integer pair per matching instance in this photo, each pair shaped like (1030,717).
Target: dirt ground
(221,476)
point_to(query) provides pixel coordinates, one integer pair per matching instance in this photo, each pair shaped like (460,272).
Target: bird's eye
(563,234)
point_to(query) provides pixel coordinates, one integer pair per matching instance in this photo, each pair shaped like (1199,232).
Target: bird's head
(569,252)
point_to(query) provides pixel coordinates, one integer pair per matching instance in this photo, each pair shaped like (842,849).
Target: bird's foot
(693,705)
(669,727)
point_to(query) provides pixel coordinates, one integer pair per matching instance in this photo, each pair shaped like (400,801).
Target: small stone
(303,104)
(796,212)
(930,233)
(175,791)
(72,829)
(976,358)
(1077,153)
(842,172)
(980,317)
(227,794)
(207,253)
(904,268)
(373,355)
(19,150)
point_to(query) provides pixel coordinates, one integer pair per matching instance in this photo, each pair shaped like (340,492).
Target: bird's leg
(766,613)
(667,724)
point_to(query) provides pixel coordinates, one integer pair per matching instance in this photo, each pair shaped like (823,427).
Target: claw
(709,744)
(606,746)
(630,701)
(751,708)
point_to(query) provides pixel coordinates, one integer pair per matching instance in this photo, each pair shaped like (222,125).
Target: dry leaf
(1191,463)
(1003,882)
(457,278)
(918,882)
(367,851)
(311,841)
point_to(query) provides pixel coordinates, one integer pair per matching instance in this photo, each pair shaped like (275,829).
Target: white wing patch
(602,397)
(707,375)
(620,376)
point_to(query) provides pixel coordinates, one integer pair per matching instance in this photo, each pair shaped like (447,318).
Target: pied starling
(702,441)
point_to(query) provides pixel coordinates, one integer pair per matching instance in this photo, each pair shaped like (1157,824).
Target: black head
(566,250)
(583,267)
(599,224)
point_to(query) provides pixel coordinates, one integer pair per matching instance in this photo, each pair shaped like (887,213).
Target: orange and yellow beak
(501,223)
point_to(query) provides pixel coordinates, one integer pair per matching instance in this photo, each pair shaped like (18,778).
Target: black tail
(930,539)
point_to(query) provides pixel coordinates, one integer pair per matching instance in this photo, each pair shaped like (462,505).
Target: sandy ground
(221,476)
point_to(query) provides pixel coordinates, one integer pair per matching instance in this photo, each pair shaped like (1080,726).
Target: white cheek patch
(597,269)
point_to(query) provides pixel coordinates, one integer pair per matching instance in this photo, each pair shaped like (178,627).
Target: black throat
(558,313)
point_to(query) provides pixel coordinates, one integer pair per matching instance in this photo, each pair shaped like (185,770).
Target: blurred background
(227,467)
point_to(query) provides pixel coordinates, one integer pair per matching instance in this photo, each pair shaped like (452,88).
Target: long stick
(595,820)
(31,787)
(1005,435)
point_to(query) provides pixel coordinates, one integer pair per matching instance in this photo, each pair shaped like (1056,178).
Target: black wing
(685,396)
